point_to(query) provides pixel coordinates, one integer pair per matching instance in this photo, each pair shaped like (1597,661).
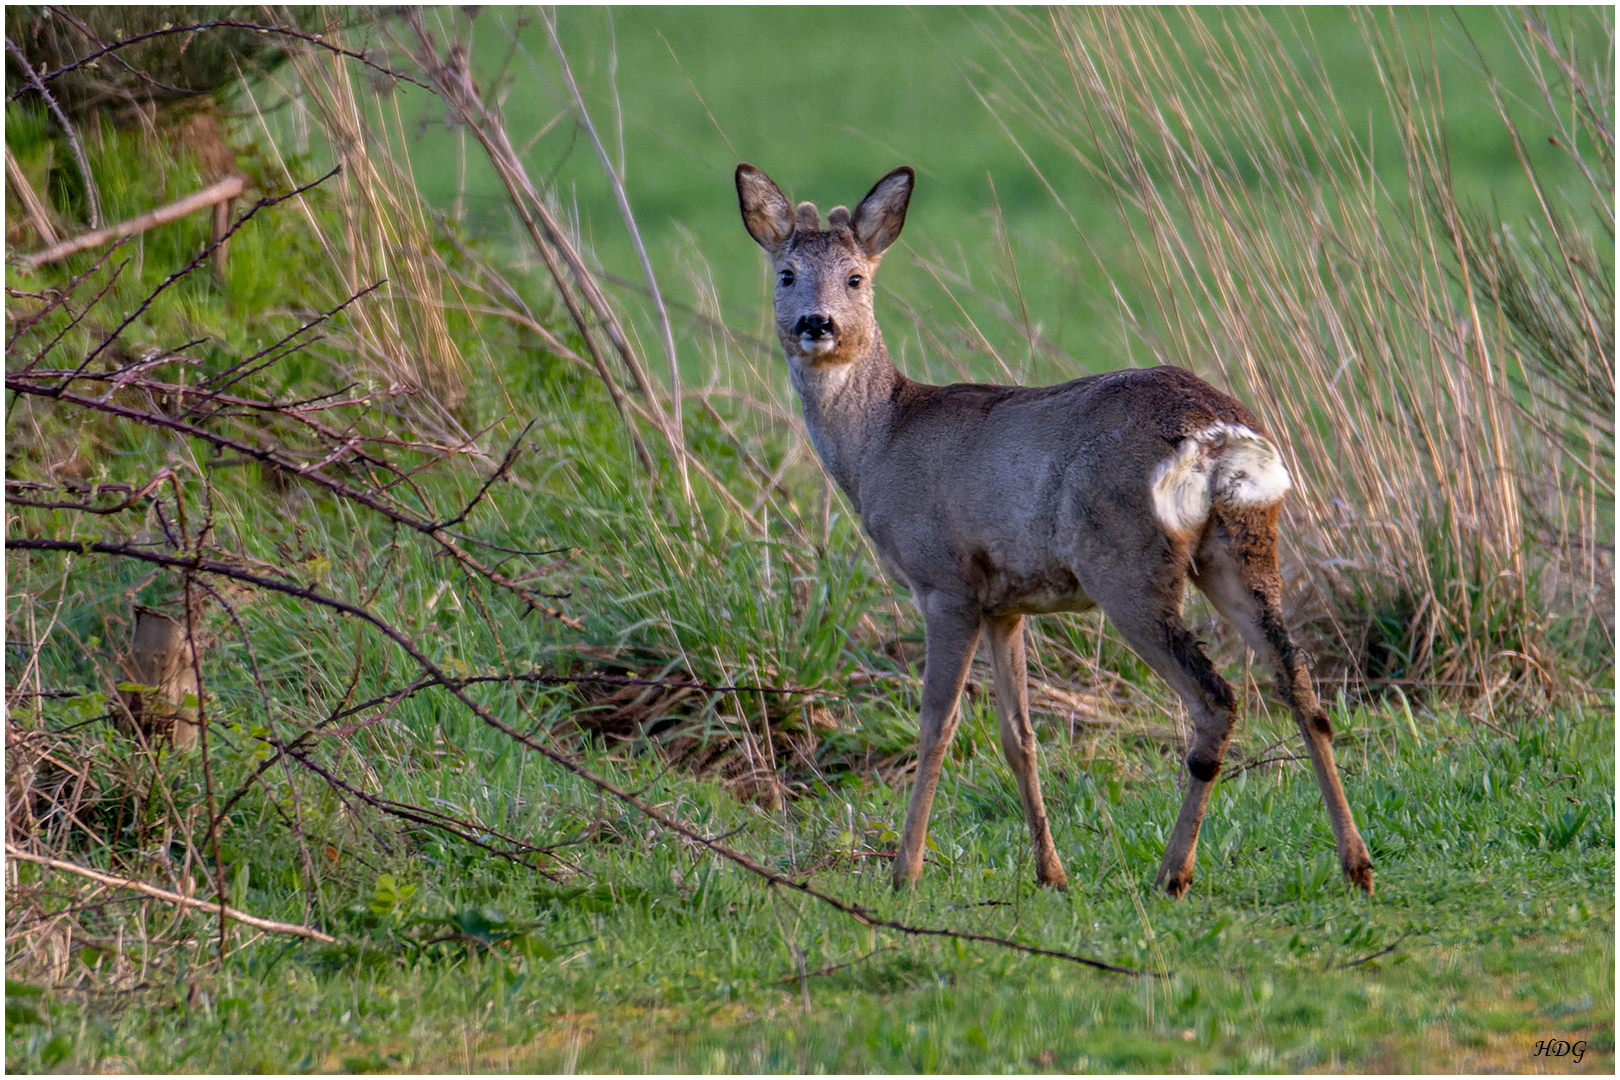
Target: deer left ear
(766,212)
(877,221)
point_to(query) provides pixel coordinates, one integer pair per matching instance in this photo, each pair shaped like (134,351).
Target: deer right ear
(882,214)
(766,213)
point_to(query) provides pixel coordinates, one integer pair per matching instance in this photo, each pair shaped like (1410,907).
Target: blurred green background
(826,100)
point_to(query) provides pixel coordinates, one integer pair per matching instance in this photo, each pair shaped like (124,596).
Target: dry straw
(1360,310)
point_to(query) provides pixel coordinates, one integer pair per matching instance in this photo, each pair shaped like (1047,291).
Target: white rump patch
(1224,463)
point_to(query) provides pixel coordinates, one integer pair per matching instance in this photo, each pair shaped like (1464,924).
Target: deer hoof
(1175,883)
(1053,877)
(905,876)
(1360,875)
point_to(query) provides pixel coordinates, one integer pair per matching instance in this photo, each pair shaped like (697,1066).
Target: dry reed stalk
(1275,258)
(616,180)
(451,77)
(383,218)
(271,925)
(37,212)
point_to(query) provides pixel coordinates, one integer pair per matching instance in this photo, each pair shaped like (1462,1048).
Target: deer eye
(854,281)
(787,278)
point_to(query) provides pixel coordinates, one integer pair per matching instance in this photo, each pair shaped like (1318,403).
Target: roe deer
(995,502)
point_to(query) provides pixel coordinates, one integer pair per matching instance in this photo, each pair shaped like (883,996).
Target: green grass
(1497,917)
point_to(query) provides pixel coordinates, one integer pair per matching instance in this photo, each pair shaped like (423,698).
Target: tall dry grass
(400,334)
(1443,381)
(1446,392)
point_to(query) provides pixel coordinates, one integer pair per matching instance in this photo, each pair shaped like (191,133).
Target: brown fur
(991,503)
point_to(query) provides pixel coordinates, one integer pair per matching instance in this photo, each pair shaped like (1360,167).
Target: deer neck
(846,406)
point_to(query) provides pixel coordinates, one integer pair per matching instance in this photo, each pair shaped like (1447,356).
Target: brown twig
(227,189)
(1381,952)
(795,977)
(394,697)
(235,372)
(140,309)
(1246,766)
(170,897)
(135,495)
(430,818)
(863,915)
(493,478)
(312,39)
(312,474)
(37,83)
(78,24)
(551,679)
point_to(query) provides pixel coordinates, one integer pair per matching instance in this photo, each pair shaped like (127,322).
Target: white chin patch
(816,347)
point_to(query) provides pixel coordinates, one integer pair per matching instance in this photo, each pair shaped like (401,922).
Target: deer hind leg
(1238,572)
(952,626)
(1006,639)
(1149,619)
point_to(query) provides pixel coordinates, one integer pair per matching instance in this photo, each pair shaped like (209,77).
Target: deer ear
(766,213)
(882,214)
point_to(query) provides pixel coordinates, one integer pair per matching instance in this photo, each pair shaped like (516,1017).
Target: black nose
(816,326)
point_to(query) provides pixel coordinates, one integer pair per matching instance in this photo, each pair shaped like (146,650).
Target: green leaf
(56,1050)
(20,1014)
(384,896)
(239,884)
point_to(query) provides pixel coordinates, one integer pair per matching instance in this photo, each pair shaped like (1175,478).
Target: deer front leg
(1006,639)
(952,626)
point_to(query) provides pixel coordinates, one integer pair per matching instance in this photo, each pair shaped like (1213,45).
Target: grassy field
(1492,929)
(401,589)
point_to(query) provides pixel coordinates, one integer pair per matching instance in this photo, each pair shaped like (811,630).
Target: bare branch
(431,819)
(135,495)
(198,261)
(165,895)
(313,39)
(224,191)
(36,83)
(861,914)
(492,479)
(338,487)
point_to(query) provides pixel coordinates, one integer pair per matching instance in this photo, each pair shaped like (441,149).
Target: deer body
(991,503)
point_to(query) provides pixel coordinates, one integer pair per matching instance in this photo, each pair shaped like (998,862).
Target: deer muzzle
(817,334)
